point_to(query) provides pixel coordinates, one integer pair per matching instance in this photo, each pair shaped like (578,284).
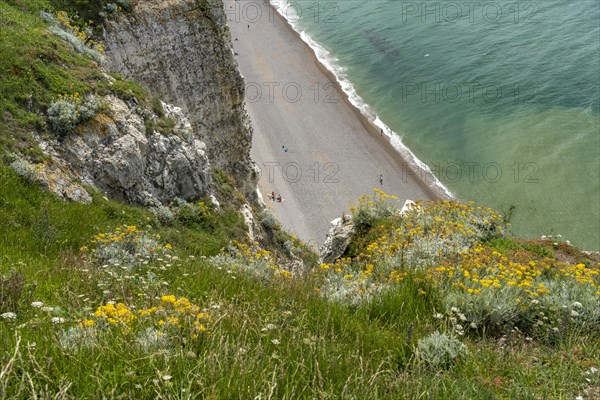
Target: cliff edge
(181,50)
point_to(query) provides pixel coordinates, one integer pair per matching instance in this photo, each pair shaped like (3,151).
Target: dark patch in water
(382,45)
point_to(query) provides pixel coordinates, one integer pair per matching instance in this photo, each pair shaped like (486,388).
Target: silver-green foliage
(21,166)
(440,351)
(64,114)
(76,43)
(267,219)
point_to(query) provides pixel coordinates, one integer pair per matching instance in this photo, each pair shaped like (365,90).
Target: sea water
(500,100)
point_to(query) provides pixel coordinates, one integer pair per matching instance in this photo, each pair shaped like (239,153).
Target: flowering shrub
(372,208)
(79,38)
(127,248)
(173,320)
(348,284)
(498,292)
(183,211)
(251,259)
(406,244)
(445,244)
(440,351)
(68,111)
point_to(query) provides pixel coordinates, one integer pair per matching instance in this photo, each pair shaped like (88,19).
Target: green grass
(274,339)
(325,350)
(505,245)
(36,66)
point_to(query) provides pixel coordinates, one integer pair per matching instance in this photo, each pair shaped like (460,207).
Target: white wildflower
(462,317)
(8,315)
(577,304)
(37,304)
(47,309)
(574,313)
(275,341)
(166,377)
(57,320)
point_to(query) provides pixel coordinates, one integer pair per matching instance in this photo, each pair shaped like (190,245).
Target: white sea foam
(331,63)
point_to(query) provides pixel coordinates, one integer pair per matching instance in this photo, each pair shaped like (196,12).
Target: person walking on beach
(381,179)
(284,149)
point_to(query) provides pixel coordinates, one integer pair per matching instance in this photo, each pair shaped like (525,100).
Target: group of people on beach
(274,198)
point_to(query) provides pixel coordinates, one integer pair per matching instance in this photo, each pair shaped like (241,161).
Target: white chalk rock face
(246,212)
(117,155)
(338,238)
(181,51)
(408,206)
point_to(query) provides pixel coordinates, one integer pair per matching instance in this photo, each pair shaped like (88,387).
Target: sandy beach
(312,146)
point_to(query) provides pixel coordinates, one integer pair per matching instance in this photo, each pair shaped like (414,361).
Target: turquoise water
(502,106)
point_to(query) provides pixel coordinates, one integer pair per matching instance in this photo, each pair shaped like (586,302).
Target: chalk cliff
(120,155)
(181,50)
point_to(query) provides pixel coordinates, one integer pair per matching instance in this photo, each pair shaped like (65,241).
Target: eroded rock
(338,238)
(117,155)
(181,50)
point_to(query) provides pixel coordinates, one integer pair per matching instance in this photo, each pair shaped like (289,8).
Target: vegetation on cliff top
(37,67)
(107,300)
(173,301)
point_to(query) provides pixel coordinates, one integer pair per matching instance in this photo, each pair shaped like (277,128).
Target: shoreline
(436,188)
(336,151)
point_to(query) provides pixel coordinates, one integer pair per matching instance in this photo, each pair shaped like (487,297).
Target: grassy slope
(275,339)
(325,349)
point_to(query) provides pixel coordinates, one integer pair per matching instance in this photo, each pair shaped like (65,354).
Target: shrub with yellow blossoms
(251,259)
(175,320)
(389,246)
(127,247)
(445,245)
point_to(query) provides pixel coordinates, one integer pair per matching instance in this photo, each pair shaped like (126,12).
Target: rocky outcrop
(119,156)
(54,174)
(408,206)
(338,238)
(181,50)
(246,212)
